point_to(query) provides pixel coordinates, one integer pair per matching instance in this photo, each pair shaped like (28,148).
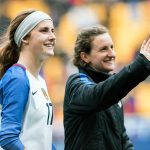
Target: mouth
(49,45)
(110,60)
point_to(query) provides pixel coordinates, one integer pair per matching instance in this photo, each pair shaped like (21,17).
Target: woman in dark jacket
(93,113)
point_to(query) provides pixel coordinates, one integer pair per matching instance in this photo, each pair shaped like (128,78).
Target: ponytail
(9,51)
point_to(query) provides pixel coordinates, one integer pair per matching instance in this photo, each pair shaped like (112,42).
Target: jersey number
(50,114)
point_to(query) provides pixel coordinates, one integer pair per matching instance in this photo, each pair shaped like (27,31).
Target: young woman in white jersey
(26,107)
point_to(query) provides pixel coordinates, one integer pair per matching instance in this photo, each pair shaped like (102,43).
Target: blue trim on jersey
(53,147)
(0,92)
(84,79)
(14,92)
(20,65)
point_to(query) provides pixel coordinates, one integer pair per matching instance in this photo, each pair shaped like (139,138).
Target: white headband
(28,24)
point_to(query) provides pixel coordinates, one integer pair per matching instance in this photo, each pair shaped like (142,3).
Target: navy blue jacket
(93,120)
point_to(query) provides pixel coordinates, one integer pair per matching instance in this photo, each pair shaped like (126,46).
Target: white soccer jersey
(26,111)
(37,125)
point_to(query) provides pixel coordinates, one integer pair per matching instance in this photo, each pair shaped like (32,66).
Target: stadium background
(129,24)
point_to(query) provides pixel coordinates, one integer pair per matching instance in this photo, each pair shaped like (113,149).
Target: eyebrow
(46,27)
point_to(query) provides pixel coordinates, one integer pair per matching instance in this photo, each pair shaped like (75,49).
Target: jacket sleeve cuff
(145,60)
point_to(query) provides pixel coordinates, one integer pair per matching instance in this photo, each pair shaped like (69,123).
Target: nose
(52,36)
(111,52)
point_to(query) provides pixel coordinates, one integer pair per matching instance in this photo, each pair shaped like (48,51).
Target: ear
(25,40)
(85,57)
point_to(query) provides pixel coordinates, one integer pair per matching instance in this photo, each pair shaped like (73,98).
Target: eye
(44,30)
(112,47)
(104,48)
(52,30)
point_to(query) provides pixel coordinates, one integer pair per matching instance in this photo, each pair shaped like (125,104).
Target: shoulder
(42,81)
(80,78)
(14,83)
(77,76)
(15,74)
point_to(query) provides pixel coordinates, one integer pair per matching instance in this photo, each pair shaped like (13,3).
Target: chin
(51,53)
(109,69)
(46,56)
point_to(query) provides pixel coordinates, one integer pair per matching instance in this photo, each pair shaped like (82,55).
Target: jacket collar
(97,76)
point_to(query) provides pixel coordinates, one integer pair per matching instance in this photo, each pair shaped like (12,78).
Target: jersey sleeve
(14,95)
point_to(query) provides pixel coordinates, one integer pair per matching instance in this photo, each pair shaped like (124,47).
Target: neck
(30,63)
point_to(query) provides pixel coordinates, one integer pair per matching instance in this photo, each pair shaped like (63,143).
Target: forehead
(45,23)
(102,39)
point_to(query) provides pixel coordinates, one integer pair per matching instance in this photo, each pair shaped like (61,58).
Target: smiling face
(102,54)
(42,39)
